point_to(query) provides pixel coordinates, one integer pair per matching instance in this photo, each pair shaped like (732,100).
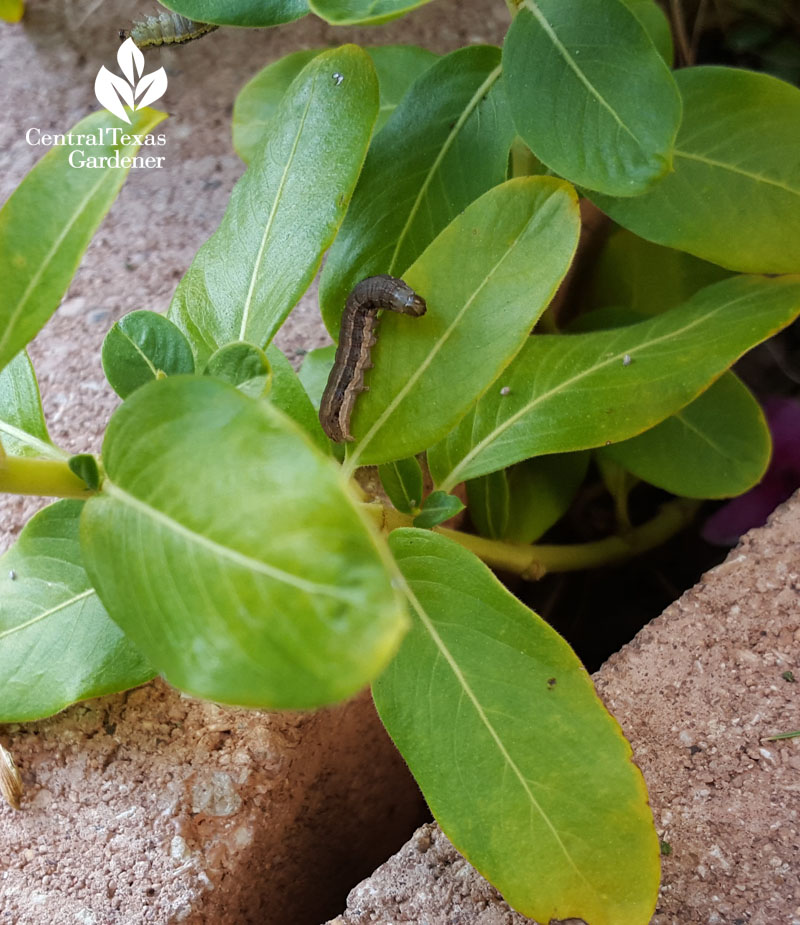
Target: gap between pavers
(697,692)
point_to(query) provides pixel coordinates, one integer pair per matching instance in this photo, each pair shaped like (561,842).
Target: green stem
(44,477)
(535,561)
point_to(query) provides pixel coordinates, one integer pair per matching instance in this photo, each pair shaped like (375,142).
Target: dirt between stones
(697,692)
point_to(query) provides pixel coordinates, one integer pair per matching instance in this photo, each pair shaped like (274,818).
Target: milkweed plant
(223,541)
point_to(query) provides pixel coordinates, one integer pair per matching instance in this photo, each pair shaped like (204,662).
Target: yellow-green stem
(44,477)
(535,561)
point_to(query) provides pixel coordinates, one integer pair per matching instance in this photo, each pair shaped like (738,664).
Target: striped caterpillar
(165,29)
(356,336)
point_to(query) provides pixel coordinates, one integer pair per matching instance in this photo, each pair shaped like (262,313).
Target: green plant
(218,542)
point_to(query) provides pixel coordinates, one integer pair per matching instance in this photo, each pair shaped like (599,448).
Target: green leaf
(351,12)
(619,483)
(233,554)
(58,643)
(488,503)
(483,300)
(242,12)
(397,67)
(11,10)
(402,482)
(287,394)
(284,212)
(445,144)
(23,431)
(645,277)
(716,447)
(258,101)
(519,761)
(656,24)
(141,346)
(315,370)
(734,195)
(243,366)
(48,221)
(84,465)
(437,508)
(540,493)
(590,94)
(576,391)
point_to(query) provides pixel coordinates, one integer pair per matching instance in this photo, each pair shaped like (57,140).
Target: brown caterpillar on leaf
(356,337)
(165,29)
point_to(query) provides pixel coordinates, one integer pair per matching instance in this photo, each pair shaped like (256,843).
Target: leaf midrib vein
(734,168)
(47,613)
(271,219)
(570,61)
(434,168)
(453,478)
(217,549)
(508,760)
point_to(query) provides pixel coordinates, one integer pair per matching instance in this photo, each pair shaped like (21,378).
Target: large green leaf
(315,370)
(288,394)
(231,552)
(242,12)
(48,221)
(656,24)
(590,94)
(57,643)
(284,212)
(734,195)
(23,431)
(541,491)
(576,391)
(488,501)
(716,447)
(519,761)
(486,278)
(445,144)
(397,67)
(350,12)
(645,277)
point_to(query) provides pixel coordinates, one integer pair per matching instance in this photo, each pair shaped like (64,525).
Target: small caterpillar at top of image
(166,29)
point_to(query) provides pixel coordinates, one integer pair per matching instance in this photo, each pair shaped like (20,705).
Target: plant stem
(43,477)
(535,561)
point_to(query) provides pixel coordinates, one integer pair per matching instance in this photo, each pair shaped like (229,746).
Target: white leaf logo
(135,90)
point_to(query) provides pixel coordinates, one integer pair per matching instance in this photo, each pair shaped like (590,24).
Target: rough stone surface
(150,807)
(153,807)
(698,692)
